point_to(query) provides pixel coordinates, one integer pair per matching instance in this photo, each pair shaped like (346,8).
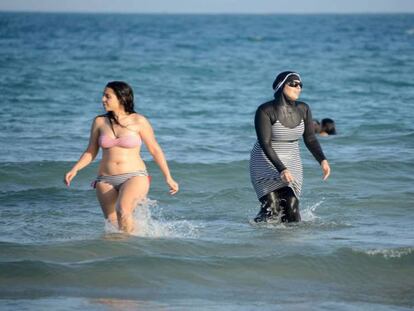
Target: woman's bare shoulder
(100,119)
(140,119)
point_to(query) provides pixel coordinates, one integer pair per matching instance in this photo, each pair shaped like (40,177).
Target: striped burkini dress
(285,142)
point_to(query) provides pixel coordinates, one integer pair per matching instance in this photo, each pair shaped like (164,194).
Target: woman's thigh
(107,196)
(132,192)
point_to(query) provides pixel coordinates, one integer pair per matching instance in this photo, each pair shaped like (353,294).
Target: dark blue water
(199,79)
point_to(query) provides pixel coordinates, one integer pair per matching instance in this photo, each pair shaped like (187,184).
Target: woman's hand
(286,176)
(69,176)
(173,185)
(326,170)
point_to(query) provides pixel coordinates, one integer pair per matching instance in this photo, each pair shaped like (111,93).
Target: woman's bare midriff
(118,160)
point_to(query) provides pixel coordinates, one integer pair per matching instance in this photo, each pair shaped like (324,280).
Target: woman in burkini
(275,163)
(122,180)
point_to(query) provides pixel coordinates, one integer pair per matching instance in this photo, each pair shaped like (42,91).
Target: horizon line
(209,13)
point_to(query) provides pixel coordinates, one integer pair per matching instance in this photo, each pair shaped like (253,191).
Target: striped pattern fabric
(263,174)
(118,180)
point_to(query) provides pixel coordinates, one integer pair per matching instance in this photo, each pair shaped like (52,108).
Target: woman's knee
(123,208)
(126,205)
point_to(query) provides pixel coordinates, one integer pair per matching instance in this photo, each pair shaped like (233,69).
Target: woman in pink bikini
(122,180)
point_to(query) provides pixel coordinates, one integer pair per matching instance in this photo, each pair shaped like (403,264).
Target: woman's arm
(88,155)
(147,135)
(312,143)
(263,126)
(309,136)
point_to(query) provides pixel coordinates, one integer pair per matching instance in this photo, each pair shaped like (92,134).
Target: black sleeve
(263,126)
(310,139)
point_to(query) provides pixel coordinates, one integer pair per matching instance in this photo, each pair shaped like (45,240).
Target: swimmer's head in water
(328,126)
(124,94)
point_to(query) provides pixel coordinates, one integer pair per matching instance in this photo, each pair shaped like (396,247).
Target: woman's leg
(279,203)
(133,191)
(289,205)
(107,196)
(270,207)
(293,209)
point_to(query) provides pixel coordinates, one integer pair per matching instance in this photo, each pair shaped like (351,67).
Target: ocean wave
(343,273)
(391,253)
(342,264)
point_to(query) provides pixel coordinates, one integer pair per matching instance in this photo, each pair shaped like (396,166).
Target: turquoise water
(199,79)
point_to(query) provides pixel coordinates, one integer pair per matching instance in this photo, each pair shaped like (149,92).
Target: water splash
(149,221)
(308,214)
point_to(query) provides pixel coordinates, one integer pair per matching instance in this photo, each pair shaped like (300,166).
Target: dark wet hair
(125,95)
(328,126)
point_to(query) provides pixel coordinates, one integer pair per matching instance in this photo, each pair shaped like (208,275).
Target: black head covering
(287,112)
(284,77)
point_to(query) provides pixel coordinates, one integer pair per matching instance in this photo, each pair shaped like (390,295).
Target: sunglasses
(295,84)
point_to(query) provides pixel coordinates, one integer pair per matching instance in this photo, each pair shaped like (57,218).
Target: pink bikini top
(129,141)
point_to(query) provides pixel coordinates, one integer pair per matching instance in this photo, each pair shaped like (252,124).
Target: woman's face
(292,89)
(110,101)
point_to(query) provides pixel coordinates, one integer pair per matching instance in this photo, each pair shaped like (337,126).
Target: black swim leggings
(283,201)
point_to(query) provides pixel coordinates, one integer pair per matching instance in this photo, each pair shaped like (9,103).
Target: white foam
(147,225)
(390,253)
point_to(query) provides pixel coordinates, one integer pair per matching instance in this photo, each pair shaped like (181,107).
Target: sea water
(199,80)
